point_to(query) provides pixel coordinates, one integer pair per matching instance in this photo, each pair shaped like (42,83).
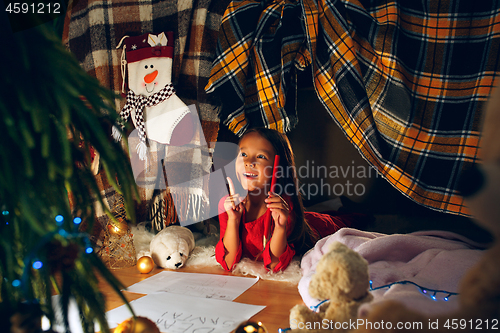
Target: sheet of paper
(176,313)
(223,287)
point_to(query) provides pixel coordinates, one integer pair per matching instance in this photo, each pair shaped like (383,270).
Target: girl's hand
(234,204)
(279,209)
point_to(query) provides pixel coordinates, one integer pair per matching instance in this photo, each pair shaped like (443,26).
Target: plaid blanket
(407,84)
(405,81)
(93,29)
(182,172)
(260,44)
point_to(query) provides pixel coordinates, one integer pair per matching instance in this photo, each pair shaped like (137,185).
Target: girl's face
(254,164)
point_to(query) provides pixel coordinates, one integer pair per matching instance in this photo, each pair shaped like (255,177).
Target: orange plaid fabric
(405,80)
(260,46)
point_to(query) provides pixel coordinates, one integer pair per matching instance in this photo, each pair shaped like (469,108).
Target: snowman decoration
(157,112)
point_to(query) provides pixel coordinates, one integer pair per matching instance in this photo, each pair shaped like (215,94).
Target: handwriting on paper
(176,313)
(178,322)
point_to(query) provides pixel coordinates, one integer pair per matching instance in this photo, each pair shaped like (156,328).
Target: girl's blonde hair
(302,236)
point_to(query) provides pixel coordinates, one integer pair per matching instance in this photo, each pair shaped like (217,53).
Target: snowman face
(149,76)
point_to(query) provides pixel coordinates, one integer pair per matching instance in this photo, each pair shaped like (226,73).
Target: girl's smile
(254,164)
(249,175)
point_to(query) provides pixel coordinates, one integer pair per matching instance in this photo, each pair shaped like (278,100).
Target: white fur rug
(204,255)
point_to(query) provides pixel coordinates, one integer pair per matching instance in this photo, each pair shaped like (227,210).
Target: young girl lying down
(243,219)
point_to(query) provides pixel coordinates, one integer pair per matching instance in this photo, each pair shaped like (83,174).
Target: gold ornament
(145,264)
(117,249)
(117,229)
(250,327)
(137,325)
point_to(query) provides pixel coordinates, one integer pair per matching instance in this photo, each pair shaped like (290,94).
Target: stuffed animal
(156,111)
(341,277)
(479,290)
(162,122)
(171,247)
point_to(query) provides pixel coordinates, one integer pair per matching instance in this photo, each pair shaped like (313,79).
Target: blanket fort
(405,81)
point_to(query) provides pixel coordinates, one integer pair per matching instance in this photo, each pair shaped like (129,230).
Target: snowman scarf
(139,102)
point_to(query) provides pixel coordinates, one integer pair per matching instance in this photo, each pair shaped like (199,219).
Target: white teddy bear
(170,248)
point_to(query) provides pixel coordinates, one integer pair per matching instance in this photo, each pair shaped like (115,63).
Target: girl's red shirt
(252,232)
(251,242)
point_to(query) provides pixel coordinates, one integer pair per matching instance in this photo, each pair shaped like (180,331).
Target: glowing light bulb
(37,264)
(77,220)
(45,323)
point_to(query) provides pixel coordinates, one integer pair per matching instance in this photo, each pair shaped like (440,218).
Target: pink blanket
(434,260)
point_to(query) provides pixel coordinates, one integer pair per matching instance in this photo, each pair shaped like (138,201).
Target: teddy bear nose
(150,77)
(178,264)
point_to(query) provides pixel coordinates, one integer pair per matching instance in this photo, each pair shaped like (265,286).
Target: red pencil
(268,219)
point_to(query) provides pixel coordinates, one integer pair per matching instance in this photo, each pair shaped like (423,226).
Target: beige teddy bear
(341,277)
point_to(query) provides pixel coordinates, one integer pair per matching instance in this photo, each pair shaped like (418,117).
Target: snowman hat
(145,46)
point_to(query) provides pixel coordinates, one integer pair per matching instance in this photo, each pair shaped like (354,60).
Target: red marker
(268,219)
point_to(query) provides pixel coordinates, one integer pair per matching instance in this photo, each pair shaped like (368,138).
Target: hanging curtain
(406,81)
(260,46)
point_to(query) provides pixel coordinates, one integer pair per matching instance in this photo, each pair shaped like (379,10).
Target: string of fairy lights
(432,293)
(32,260)
(426,291)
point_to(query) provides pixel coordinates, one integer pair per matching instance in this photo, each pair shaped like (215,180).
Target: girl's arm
(278,245)
(229,248)
(223,249)
(283,224)
(231,240)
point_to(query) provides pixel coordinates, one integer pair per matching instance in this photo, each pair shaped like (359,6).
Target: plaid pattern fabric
(93,29)
(259,44)
(139,102)
(179,171)
(406,82)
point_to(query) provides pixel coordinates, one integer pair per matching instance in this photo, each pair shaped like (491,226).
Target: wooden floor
(278,297)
